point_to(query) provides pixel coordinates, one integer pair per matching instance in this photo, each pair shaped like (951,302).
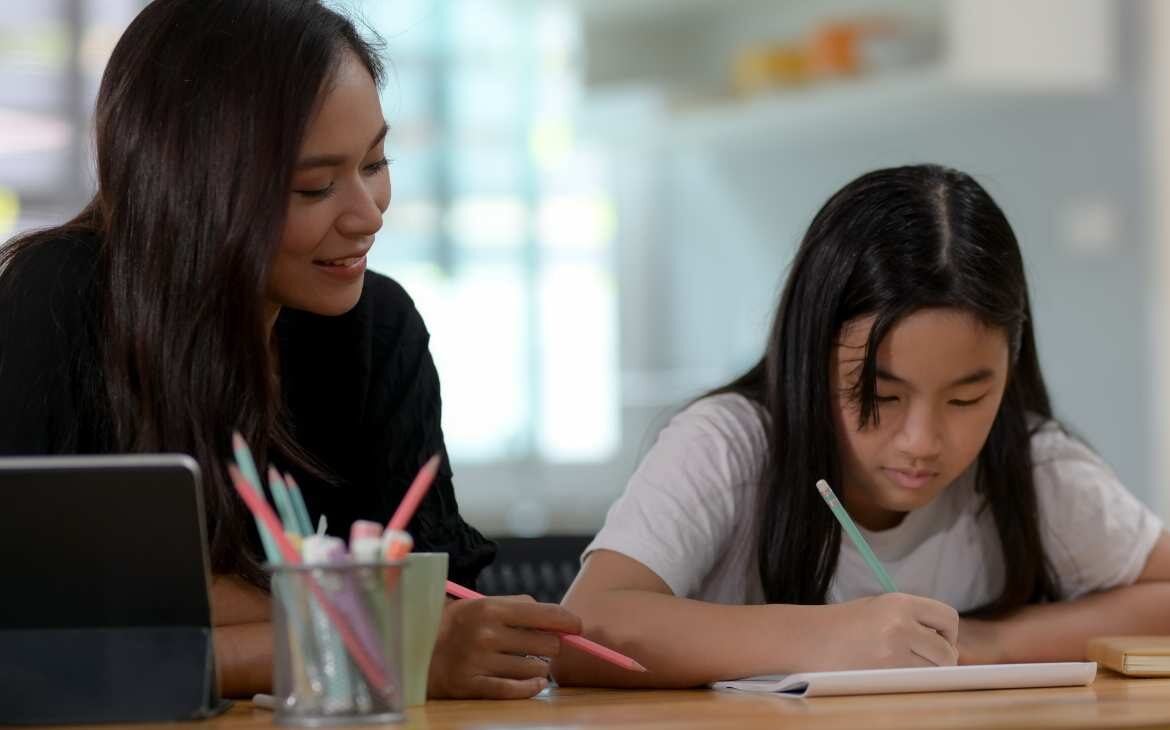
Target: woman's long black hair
(890,243)
(199,122)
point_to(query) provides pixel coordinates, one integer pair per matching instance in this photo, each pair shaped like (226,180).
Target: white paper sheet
(919,679)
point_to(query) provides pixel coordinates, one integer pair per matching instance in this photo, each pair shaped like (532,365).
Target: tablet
(105,613)
(102,541)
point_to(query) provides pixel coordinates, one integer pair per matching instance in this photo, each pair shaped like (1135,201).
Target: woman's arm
(241,614)
(1059,631)
(243,659)
(485,647)
(685,643)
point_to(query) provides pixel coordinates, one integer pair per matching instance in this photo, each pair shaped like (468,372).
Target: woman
(217,281)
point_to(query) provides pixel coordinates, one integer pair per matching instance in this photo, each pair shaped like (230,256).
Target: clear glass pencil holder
(337,639)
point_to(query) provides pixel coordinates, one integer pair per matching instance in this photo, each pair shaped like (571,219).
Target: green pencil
(248,468)
(284,503)
(855,535)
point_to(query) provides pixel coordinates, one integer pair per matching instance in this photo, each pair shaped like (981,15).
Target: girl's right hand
(890,630)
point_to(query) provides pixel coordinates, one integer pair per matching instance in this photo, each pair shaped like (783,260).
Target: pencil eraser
(396,544)
(364,529)
(318,549)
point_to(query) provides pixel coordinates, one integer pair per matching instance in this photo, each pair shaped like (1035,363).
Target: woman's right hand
(890,630)
(493,647)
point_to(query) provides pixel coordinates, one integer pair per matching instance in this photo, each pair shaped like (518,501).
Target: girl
(217,281)
(902,368)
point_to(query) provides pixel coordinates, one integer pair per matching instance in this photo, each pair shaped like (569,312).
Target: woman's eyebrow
(331,160)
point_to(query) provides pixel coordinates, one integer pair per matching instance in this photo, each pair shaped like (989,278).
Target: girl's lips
(910,479)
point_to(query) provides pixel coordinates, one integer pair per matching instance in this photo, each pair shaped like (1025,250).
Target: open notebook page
(919,679)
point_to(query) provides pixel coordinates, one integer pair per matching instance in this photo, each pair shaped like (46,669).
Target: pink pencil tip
(273,474)
(637,667)
(290,482)
(414,494)
(238,439)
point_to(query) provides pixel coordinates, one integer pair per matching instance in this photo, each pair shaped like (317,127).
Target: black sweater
(361,391)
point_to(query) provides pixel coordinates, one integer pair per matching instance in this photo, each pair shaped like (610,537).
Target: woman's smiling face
(340,190)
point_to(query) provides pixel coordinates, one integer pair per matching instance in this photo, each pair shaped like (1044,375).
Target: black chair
(541,567)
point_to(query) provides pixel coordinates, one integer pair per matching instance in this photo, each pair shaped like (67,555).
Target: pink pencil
(418,489)
(264,513)
(398,548)
(401,518)
(585,645)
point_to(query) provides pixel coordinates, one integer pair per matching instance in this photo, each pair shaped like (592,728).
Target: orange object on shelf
(832,49)
(835,47)
(764,67)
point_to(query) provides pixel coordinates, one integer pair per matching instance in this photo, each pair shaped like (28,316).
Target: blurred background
(595,202)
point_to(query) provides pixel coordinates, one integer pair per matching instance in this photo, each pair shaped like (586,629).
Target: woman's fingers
(516,667)
(498,688)
(541,616)
(508,640)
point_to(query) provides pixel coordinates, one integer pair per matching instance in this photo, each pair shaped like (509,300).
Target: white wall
(707,231)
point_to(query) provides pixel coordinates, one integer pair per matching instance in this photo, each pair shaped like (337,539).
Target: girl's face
(340,189)
(941,375)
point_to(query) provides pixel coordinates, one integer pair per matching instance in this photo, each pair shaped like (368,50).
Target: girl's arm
(685,643)
(1059,631)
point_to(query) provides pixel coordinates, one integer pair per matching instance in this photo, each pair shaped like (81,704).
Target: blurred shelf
(625,11)
(867,105)
(654,76)
(830,108)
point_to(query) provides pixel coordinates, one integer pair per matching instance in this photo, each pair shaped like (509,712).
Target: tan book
(1136,656)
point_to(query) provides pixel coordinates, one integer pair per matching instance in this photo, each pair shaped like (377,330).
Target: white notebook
(918,679)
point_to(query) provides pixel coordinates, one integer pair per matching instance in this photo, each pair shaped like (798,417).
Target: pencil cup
(424,595)
(338,644)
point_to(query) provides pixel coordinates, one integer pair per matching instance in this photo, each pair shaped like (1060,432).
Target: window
(51,59)
(500,227)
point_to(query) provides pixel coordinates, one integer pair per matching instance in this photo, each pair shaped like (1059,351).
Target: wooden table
(1111,701)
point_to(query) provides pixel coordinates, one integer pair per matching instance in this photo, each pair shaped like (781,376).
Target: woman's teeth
(341,262)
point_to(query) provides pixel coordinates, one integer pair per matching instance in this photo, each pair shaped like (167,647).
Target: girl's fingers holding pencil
(934,648)
(938,616)
(887,630)
(916,660)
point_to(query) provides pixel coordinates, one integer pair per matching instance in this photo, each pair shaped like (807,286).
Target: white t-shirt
(688,515)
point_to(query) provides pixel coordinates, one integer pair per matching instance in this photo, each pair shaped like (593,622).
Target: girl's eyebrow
(979,376)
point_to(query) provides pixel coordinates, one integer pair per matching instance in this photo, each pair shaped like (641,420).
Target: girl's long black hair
(890,243)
